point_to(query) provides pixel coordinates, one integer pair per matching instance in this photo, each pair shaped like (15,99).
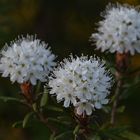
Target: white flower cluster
(119,31)
(26,59)
(82,82)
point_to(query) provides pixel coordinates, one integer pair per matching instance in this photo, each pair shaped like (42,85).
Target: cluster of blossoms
(26,60)
(82,82)
(119,31)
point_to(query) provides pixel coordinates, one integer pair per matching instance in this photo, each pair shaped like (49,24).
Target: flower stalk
(122,63)
(83,123)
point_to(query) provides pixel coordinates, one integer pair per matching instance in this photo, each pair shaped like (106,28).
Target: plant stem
(27,92)
(116,98)
(122,63)
(84,130)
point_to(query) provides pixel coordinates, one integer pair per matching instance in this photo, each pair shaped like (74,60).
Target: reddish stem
(27,91)
(122,63)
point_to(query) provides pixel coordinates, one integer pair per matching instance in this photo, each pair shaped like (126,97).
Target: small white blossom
(26,60)
(119,31)
(81,82)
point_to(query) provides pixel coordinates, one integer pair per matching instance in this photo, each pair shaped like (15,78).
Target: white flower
(26,60)
(81,82)
(119,31)
(85,107)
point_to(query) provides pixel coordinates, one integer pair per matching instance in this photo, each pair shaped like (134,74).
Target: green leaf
(44,99)
(114,137)
(9,99)
(52,136)
(34,105)
(63,136)
(106,109)
(130,135)
(121,109)
(17,124)
(59,121)
(67,118)
(117,130)
(26,119)
(38,87)
(95,138)
(76,130)
(53,108)
(114,133)
(113,70)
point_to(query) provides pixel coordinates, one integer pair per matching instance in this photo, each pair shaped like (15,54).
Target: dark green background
(66,25)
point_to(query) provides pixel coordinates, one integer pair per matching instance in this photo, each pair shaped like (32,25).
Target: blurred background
(66,25)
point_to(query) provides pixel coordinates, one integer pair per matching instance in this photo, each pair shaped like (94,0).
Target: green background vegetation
(66,25)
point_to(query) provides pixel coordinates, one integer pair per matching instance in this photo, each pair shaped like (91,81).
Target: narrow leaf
(62,135)
(17,124)
(121,109)
(44,99)
(59,121)
(8,99)
(35,107)
(76,130)
(38,87)
(52,136)
(130,135)
(26,119)
(53,108)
